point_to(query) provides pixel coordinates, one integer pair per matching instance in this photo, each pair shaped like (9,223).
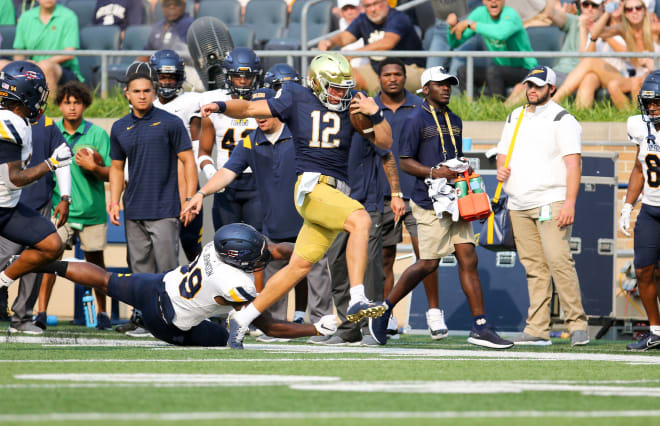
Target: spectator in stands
(170,33)
(7,13)
(45,139)
(87,220)
(151,140)
(530,11)
(50,27)
(382,28)
(119,12)
(349,10)
(502,30)
(438,33)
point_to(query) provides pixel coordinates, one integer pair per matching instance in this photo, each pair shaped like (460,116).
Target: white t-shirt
(228,131)
(649,156)
(186,107)
(538,172)
(13,130)
(193,288)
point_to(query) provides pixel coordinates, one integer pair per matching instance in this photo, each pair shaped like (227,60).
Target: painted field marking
(221,379)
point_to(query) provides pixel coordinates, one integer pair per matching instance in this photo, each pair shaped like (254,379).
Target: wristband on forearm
(222,107)
(209,170)
(377,117)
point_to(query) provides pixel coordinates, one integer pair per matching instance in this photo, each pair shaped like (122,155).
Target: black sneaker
(40,320)
(650,341)
(126,327)
(488,338)
(103,321)
(4,304)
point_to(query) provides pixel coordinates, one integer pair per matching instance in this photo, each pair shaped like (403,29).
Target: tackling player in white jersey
(23,96)
(170,73)
(239,202)
(644,131)
(176,305)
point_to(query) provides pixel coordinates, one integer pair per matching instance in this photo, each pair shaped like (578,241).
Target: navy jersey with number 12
(322,137)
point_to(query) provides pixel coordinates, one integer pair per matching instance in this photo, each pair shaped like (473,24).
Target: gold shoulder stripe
(247,143)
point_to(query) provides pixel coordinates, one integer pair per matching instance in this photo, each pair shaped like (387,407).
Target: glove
(60,157)
(327,325)
(624,219)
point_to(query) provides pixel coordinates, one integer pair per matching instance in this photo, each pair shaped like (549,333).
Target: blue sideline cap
(541,76)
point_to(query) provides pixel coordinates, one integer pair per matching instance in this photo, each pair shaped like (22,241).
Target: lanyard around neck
(451,132)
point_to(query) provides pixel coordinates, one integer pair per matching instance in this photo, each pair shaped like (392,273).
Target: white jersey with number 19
(649,156)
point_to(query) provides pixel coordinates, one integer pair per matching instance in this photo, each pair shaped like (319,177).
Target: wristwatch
(66,198)
(397,194)
(470,24)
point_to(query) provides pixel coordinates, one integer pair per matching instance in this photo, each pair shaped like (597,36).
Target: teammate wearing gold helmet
(318,117)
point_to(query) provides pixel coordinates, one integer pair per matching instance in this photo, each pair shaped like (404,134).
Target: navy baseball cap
(541,76)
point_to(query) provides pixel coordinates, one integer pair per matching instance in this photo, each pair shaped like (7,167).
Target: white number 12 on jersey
(325,141)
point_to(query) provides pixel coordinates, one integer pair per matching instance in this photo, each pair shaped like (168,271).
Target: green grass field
(72,375)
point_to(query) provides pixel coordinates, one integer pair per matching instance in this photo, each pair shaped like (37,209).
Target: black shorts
(24,225)
(647,236)
(147,293)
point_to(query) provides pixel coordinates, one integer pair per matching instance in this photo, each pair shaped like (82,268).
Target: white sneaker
(26,327)
(139,332)
(435,318)
(264,338)
(393,328)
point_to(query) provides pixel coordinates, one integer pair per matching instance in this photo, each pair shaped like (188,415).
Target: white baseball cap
(342,3)
(598,2)
(438,74)
(541,76)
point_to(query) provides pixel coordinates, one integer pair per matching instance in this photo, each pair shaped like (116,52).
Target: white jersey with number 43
(14,132)
(193,288)
(649,156)
(185,106)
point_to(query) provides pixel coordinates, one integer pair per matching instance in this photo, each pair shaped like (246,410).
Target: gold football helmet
(331,69)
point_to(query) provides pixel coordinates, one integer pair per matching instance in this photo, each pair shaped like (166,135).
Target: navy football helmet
(650,91)
(278,74)
(24,82)
(242,246)
(243,62)
(169,63)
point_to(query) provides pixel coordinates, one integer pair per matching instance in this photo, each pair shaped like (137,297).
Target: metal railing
(469,56)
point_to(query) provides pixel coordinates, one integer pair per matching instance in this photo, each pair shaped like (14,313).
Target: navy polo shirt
(176,34)
(322,137)
(397,22)
(364,165)
(150,144)
(45,138)
(398,120)
(274,168)
(421,141)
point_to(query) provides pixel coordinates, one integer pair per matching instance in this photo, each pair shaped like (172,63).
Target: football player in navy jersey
(23,95)
(319,120)
(278,74)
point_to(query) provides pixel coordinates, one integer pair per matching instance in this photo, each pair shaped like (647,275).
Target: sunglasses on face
(637,8)
(588,4)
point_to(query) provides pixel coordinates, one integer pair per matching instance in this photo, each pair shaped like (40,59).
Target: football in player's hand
(97,157)
(362,123)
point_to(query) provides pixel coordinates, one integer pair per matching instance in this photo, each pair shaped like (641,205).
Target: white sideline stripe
(382,351)
(225,379)
(191,416)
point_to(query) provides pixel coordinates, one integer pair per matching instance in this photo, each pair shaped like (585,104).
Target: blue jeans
(438,43)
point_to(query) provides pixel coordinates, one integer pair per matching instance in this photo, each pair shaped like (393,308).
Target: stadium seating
(96,37)
(425,16)
(135,38)
(84,9)
(545,39)
(318,22)
(228,11)
(242,36)
(157,14)
(267,18)
(8,33)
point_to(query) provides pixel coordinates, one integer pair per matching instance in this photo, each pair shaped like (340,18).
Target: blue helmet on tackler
(242,246)
(168,62)
(278,74)
(24,82)
(650,91)
(243,62)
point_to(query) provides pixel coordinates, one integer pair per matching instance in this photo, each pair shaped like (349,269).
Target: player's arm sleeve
(239,158)
(633,130)
(569,135)
(62,174)
(9,151)
(281,105)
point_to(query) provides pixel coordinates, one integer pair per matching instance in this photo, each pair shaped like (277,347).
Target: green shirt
(571,44)
(87,191)
(504,34)
(7,12)
(61,32)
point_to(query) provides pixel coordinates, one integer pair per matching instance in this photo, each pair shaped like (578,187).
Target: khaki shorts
(92,237)
(324,211)
(413,78)
(437,237)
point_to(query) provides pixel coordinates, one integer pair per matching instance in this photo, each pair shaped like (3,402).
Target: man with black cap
(429,144)
(542,181)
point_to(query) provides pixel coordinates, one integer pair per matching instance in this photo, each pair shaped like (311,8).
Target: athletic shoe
(579,338)
(650,341)
(338,341)
(254,331)
(269,339)
(299,320)
(393,328)
(378,327)
(40,320)
(236,334)
(103,321)
(318,340)
(435,319)
(26,327)
(488,338)
(528,340)
(364,308)
(126,327)
(369,340)
(139,332)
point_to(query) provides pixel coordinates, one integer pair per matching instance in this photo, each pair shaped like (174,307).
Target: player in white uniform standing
(176,305)
(23,96)
(170,71)
(239,202)
(643,131)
